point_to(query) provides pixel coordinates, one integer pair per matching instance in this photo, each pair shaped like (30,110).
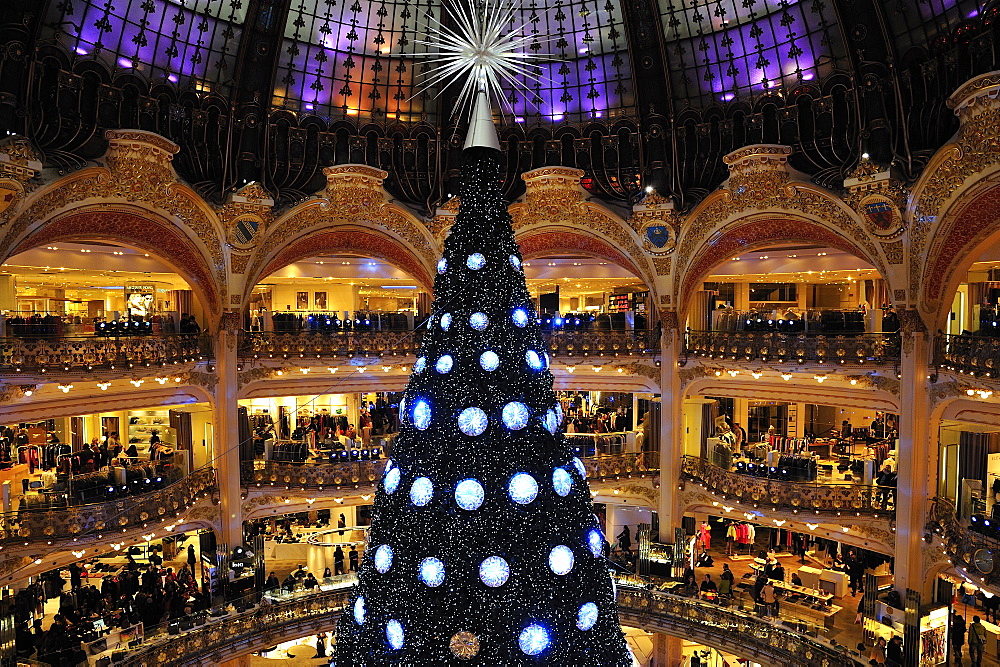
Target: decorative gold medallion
(464,645)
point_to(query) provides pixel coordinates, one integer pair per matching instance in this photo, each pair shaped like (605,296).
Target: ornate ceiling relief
(19,165)
(657,223)
(762,188)
(975,151)
(554,196)
(353,196)
(879,198)
(138,170)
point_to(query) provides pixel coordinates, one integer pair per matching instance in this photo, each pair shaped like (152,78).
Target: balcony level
(731,630)
(788,349)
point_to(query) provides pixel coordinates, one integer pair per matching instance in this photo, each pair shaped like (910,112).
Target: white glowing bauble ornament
(432,572)
(391,481)
(421,491)
(383,558)
(479,321)
(469,494)
(489,360)
(494,571)
(515,262)
(420,364)
(359,610)
(559,412)
(520,318)
(614,588)
(578,464)
(551,422)
(522,488)
(562,482)
(561,559)
(595,542)
(442,265)
(421,414)
(446,321)
(476,261)
(394,634)
(515,415)
(472,421)
(587,616)
(535,362)
(444,364)
(533,640)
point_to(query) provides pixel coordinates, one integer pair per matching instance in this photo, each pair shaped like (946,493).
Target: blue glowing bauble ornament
(587,616)
(420,364)
(421,414)
(522,488)
(515,262)
(533,640)
(359,610)
(469,494)
(476,261)
(472,421)
(444,363)
(489,360)
(578,464)
(515,415)
(432,572)
(394,634)
(535,362)
(551,422)
(561,559)
(519,317)
(494,571)
(446,321)
(442,265)
(479,321)
(383,558)
(562,482)
(391,481)
(595,542)
(421,491)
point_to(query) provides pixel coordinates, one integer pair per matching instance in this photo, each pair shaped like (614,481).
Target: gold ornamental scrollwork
(20,163)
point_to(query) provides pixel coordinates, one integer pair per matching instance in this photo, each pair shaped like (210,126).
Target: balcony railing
(266,626)
(743,634)
(978,356)
(842,498)
(319,345)
(769,346)
(359,474)
(116,515)
(964,544)
(88,353)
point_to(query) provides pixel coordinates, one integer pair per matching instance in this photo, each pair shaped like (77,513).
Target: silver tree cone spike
(482,131)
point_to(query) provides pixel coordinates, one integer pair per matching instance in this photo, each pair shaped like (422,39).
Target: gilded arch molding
(945,197)
(132,226)
(137,172)
(763,202)
(354,201)
(555,203)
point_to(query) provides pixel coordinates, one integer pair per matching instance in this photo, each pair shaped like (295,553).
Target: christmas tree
(483,547)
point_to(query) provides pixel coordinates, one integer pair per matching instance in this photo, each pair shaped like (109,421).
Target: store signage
(139,300)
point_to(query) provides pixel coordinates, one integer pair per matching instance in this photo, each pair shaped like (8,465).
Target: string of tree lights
(483,547)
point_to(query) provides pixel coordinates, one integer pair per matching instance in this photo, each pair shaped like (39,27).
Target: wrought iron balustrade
(358,474)
(840,498)
(964,544)
(115,515)
(977,356)
(625,343)
(89,353)
(770,346)
(736,631)
(731,630)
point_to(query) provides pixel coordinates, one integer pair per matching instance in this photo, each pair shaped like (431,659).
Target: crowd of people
(150,594)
